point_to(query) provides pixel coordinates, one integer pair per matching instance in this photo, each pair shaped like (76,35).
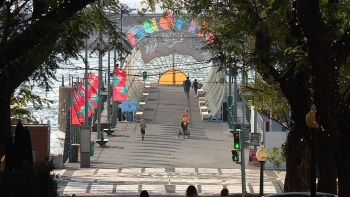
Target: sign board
(252,157)
(255,139)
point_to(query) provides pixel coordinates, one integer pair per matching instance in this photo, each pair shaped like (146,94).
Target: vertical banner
(74,120)
(119,85)
(92,89)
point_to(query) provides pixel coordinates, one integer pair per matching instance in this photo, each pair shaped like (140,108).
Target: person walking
(143,128)
(184,86)
(188,86)
(195,86)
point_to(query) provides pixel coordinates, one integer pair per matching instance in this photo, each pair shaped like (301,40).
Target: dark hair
(191,190)
(144,193)
(224,192)
(188,77)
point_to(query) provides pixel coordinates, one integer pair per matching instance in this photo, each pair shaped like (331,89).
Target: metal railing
(134,86)
(214,88)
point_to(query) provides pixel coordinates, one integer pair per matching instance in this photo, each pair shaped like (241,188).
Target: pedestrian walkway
(165,164)
(164,181)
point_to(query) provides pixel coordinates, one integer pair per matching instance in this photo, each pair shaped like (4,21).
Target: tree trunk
(297,160)
(5,120)
(330,106)
(325,164)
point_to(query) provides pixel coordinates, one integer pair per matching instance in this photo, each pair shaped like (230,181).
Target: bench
(147,88)
(138,115)
(203,109)
(145,97)
(205,115)
(108,131)
(102,142)
(200,93)
(142,105)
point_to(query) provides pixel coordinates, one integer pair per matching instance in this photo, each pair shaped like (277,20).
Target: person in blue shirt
(195,86)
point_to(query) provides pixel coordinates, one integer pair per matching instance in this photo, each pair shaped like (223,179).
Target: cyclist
(185,118)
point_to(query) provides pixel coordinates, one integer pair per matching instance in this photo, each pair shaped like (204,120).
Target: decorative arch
(172,77)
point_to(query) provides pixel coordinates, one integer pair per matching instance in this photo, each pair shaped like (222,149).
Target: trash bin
(75,152)
(92,148)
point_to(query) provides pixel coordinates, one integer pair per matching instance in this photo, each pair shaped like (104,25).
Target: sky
(133,4)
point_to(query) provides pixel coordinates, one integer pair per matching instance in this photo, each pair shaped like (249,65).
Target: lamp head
(261,154)
(311,118)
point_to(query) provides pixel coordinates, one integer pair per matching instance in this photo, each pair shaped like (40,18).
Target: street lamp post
(313,127)
(261,155)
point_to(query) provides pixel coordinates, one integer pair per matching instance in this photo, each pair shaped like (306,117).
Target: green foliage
(56,39)
(276,156)
(265,98)
(32,181)
(24,96)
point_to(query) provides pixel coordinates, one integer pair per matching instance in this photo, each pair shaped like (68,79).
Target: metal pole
(235,98)
(261,178)
(86,122)
(229,81)
(100,86)
(313,162)
(173,68)
(244,190)
(121,40)
(109,88)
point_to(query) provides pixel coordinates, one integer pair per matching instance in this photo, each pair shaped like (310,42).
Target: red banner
(119,93)
(119,89)
(73,117)
(93,82)
(91,98)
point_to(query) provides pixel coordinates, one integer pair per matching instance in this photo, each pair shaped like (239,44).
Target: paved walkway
(164,164)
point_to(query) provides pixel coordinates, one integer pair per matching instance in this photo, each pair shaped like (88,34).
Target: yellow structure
(172,77)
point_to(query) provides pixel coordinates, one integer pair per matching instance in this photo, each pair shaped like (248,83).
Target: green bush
(30,182)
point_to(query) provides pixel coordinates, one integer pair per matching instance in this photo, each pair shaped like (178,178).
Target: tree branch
(40,28)
(341,49)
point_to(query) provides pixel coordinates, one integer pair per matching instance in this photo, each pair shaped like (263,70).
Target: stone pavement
(163,163)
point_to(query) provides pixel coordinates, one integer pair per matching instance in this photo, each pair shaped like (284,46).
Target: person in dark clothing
(183,85)
(191,191)
(195,86)
(188,86)
(144,193)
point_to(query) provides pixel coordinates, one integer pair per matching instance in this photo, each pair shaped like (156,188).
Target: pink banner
(93,82)
(119,89)
(119,93)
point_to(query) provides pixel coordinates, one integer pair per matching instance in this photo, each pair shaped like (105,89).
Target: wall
(63,106)
(40,138)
